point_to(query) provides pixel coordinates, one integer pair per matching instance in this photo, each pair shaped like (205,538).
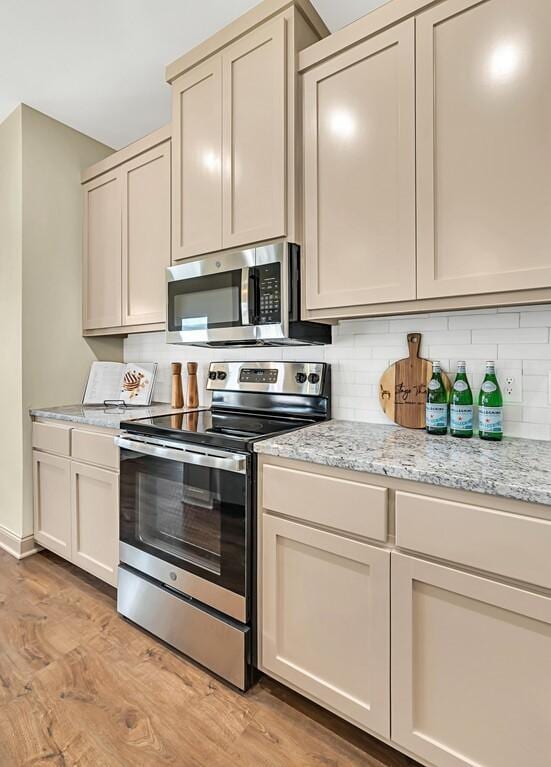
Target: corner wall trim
(16,546)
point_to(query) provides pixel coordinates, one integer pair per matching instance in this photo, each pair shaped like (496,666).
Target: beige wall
(11,468)
(46,334)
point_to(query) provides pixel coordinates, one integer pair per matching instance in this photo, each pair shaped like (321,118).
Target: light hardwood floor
(80,686)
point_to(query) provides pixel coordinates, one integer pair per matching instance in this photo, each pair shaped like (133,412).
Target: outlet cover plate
(512,387)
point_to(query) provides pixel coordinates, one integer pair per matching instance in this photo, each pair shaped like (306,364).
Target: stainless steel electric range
(187,509)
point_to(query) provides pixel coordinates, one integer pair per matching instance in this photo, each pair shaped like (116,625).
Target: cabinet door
(102,252)
(255,122)
(471,668)
(95,520)
(483,115)
(359,155)
(325,619)
(52,499)
(197,160)
(145,235)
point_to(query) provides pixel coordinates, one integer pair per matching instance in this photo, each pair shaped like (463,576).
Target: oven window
(184,521)
(189,515)
(212,301)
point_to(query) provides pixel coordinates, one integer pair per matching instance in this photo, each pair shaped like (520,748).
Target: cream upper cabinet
(127,241)
(52,519)
(145,235)
(471,664)
(95,520)
(197,160)
(236,156)
(102,279)
(325,625)
(254,128)
(359,177)
(483,149)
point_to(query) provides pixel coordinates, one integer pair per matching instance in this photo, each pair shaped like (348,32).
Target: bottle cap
(436,363)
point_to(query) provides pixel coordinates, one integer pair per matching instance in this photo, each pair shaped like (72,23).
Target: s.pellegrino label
(461,404)
(490,406)
(436,412)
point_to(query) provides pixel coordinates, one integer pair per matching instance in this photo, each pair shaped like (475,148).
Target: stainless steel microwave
(241,298)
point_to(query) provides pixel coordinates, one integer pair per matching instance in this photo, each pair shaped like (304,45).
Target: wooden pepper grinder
(192,388)
(177,391)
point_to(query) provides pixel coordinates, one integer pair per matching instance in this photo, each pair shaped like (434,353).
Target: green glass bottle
(490,406)
(461,404)
(437,403)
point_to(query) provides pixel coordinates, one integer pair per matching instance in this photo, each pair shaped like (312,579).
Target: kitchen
(268,558)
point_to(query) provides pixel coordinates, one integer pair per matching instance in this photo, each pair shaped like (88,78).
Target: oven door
(211,300)
(185,520)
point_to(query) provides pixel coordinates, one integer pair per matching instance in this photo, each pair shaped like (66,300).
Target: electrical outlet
(512,387)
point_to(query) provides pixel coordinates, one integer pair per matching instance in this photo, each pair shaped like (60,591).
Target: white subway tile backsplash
(518,338)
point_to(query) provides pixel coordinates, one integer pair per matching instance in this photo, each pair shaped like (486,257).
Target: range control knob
(212,375)
(221,375)
(301,378)
(313,378)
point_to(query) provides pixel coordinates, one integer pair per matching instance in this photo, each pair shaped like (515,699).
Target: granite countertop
(110,418)
(513,468)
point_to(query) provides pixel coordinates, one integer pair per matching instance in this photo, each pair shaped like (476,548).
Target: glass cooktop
(215,427)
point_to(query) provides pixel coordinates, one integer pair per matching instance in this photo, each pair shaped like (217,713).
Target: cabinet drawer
(339,503)
(511,545)
(92,447)
(52,437)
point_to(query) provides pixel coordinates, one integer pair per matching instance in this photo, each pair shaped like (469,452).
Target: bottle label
(490,419)
(488,387)
(437,416)
(434,384)
(460,386)
(461,417)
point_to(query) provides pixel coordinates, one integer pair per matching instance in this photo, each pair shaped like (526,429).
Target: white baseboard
(16,546)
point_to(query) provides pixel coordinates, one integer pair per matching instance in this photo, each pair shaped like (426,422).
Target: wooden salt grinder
(177,391)
(192,388)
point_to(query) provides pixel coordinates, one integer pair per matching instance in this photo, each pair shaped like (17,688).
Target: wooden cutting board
(403,387)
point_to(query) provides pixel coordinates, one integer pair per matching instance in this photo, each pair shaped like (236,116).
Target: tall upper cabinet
(426,157)
(127,238)
(236,125)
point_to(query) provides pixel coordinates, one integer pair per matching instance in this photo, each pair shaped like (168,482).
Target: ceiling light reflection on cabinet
(504,62)
(342,124)
(211,161)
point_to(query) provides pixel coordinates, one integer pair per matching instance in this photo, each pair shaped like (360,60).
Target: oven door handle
(245,296)
(237,464)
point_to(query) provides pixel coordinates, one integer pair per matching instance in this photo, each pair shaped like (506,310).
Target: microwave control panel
(269,293)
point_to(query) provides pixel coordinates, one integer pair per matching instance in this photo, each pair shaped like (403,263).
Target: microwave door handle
(237,464)
(245,296)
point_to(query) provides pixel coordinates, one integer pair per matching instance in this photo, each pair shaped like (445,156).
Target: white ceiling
(98,65)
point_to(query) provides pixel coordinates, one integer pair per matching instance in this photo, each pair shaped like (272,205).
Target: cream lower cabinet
(52,502)
(95,520)
(471,668)
(326,618)
(76,496)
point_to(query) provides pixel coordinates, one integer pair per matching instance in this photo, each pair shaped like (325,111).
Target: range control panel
(269,293)
(293,378)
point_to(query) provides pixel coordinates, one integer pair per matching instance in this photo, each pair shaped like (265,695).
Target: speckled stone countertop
(109,418)
(513,468)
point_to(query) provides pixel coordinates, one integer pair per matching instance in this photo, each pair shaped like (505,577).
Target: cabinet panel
(471,664)
(145,235)
(52,437)
(197,161)
(325,618)
(483,115)
(353,507)
(360,173)
(254,127)
(102,279)
(93,447)
(51,498)
(95,520)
